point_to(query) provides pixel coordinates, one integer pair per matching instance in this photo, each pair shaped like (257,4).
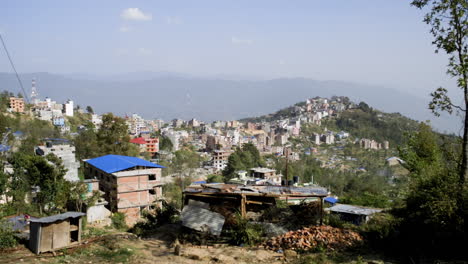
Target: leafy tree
(113,138)
(89,109)
(47,174)
(214,178)
(449,26)
(86,143)
(243,159)
(165,143)
(431,201)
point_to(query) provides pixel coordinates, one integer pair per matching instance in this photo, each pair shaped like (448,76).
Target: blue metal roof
(115,163)
(4,148)
(331,200)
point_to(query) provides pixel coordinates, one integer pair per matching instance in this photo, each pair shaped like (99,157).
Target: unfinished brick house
(130,184)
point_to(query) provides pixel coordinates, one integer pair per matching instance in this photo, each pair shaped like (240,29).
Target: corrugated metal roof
(213,188)
(352,209)
(139,140)
(59,217)
(115,163)
(331,200)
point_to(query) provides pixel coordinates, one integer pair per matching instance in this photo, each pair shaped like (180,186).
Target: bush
(7,235)
(244,232)
(168,214)
(118,221)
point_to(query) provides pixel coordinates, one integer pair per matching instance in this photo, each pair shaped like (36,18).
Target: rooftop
(262,170)
(59,217)
(353,209)
(256,190)
(115,163)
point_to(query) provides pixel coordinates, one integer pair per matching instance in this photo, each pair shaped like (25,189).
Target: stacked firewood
(308,238)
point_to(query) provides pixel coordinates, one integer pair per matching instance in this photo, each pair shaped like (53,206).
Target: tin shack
(55,232)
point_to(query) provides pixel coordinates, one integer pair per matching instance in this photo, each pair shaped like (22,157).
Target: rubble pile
(308,238)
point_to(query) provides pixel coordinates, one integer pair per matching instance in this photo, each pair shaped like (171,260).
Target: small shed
(355,214)
(55,232)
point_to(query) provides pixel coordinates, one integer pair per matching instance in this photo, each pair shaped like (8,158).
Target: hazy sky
(380,42)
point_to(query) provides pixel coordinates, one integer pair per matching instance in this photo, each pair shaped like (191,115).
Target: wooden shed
(55,232)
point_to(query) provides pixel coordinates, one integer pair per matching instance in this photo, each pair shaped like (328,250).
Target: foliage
(244,232)
(7,236)
(165,143)
(168,214)
(431,204)
(44,173)
(89,109)
(243,159)
(368,123)
(118,221)
(214,178)
(111,138)
(449,27)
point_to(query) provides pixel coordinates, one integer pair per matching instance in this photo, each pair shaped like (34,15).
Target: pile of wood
(308,238)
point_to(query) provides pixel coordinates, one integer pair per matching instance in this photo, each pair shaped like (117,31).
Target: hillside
(210,99)
(361,122)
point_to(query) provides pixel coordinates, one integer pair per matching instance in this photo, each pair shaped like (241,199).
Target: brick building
(147,144)
(17,104)
(130,184)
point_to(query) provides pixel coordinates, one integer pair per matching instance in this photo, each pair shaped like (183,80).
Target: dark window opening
(152,177)
(152,191)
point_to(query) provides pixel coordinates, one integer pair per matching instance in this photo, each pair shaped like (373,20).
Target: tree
(243,159)
(449,26)
(89,109)
(113,137)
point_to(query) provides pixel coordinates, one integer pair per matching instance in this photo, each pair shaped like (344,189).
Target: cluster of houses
(130,185)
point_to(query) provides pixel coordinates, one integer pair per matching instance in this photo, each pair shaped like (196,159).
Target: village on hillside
(209,188)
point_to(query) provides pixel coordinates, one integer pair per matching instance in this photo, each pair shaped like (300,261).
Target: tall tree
(113,137)
(449,26)
(89,109)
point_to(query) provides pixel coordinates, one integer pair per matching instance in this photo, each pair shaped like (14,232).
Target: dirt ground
(134,250)
(162,247)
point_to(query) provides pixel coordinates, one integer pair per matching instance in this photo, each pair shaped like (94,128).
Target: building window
(151,177)
(152,191)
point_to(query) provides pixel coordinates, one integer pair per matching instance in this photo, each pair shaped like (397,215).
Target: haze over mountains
(169,95)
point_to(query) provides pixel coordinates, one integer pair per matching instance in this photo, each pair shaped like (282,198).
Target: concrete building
(17,104)
(147,144)
(220,159)
(68,108)
(130,184)
(96,120)
(266,174)
(194,123)
(64,151)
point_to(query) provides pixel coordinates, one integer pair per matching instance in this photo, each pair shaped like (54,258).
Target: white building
(68,108)
(66,153)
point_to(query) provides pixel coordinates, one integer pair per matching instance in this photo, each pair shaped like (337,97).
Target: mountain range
(171,95)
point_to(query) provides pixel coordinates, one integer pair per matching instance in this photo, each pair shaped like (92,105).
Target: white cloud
(174,20)
(237,40)
(125,29)
(135,14)
(144,51)
(282,62)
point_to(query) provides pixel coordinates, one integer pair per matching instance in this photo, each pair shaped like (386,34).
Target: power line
(14,69)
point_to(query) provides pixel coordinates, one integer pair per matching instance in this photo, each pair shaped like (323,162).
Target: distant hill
(168,96)
(360,122)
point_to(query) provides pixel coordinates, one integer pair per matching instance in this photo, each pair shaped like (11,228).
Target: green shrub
(7,235)
(168,214)
(244,232)
(118,221)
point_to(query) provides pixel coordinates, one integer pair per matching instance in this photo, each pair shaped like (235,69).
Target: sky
(377,42)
